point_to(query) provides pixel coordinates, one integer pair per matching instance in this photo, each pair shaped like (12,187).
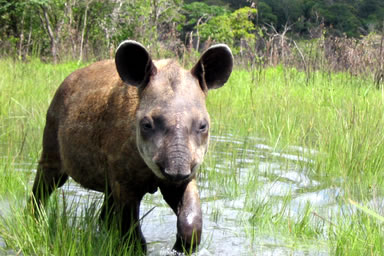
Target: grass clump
(60,229)
(267,125)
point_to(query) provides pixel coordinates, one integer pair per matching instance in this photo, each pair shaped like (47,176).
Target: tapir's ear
(214,67)
(134,64)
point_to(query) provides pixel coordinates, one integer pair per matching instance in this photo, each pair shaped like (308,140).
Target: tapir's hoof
(182,246)
(136,246)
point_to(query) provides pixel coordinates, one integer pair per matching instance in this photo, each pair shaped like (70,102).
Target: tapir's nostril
(176,176)
(174,169)
(161,166)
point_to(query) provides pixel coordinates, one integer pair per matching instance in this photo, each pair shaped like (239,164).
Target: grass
(61,230)
(338,116)
(334,120)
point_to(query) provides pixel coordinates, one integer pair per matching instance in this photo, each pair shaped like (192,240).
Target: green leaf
(367,210)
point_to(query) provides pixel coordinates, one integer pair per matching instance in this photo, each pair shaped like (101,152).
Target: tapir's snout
(176,169)
(175,157)
(178,175)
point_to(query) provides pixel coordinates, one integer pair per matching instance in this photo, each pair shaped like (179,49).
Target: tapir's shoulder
(92,88)
(98,72)
(100,75)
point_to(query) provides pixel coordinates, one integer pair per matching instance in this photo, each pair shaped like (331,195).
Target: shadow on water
(238,173)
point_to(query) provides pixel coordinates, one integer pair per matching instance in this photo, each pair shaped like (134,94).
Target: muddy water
(226,219)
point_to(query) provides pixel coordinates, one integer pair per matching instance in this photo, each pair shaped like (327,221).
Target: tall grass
(62,230)
(336,115)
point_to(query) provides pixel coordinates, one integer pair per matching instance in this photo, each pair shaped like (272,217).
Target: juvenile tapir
(131,125)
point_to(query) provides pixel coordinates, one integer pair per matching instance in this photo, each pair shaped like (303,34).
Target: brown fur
(95,134)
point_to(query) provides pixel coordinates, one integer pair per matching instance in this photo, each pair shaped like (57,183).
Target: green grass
(339,116)
(342,117)
(60,230)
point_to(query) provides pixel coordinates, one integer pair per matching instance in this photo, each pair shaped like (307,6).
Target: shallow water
(249,172)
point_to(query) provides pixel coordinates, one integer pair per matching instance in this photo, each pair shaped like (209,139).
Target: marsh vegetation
(295,167)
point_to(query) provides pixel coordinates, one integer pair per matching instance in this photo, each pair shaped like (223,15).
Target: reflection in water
(237,170)
(277,175)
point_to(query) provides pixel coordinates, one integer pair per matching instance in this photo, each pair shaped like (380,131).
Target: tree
(200,11)
(76,28)
(372,14)
(265,14)
(13,17)
(52,16)
(232,4)
(231,28)
(340,18)
(196,14)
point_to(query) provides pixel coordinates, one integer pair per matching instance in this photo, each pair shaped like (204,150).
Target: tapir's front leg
(126,206)
(130,225)
(185,202)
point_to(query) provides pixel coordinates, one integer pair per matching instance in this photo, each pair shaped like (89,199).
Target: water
(242,171)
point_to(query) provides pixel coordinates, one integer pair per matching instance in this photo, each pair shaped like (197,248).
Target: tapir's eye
(146,125)
(203,127)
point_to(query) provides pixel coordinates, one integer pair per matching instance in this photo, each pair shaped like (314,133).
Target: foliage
(328,130)
(343,16)
(241,22)
(266,16)
(340,18)
(91,29)
(230,28)
(199,12)
(63,28)
(233,4)
(218,29)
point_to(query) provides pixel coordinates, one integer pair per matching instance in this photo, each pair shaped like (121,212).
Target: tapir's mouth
(177,176)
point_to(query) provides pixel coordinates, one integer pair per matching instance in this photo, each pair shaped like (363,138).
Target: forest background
(259,32)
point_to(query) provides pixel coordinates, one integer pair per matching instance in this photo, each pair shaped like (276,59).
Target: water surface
(238,172)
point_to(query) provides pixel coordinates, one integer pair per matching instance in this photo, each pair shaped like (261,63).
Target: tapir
(128,126)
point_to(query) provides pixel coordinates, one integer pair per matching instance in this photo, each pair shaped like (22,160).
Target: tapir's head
(172,120)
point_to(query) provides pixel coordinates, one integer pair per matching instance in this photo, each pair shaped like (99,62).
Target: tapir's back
(94,113)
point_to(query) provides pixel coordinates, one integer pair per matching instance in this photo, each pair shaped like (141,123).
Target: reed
(267,123)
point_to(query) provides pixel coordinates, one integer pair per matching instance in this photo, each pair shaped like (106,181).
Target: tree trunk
(50,34)
(73,33)
(21,36)
(29,36)
(83,31)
